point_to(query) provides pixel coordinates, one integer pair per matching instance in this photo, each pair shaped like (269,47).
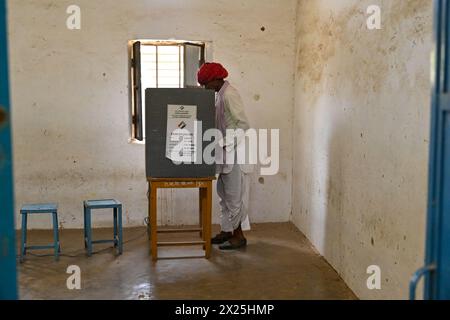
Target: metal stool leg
(57,232)
(89,231)
(116,240)
(120,230)
(23,249)
(85,227)
(56,235)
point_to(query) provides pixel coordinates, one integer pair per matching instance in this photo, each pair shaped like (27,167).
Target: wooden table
(205,204)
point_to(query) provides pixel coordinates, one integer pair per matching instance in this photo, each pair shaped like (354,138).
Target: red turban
(210,72)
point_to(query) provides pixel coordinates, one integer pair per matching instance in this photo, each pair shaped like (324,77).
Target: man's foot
(221,237)
(234,243)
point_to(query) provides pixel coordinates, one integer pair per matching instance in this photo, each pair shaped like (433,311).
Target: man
(232,184)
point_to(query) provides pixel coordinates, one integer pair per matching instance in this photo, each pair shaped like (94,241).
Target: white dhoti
(233,190)
(234,179)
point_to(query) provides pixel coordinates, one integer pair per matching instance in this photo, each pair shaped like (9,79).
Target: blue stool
(103,204)
(51,208)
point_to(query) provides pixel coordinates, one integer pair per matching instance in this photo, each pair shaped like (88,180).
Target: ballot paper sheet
(181,137)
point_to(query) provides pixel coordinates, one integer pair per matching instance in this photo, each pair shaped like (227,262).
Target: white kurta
(233,183)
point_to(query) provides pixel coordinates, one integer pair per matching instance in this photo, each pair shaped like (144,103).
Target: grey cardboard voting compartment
(156,104)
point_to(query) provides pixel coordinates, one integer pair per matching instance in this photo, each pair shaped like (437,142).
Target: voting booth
(175,122)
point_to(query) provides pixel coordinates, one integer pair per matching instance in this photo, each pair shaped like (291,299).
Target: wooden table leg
(148,215)
(153,221)
(207,218)
(200,212)
(202,192)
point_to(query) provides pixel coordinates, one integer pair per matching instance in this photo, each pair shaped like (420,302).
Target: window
(161,64)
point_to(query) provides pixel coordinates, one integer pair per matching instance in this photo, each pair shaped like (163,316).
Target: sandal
(233,245)
(221,238)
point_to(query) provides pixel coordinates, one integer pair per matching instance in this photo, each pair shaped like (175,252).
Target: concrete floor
(278,263)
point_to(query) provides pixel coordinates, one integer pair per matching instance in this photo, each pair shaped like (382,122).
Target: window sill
(136,142)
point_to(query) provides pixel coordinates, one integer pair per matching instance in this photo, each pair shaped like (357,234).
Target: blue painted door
(8,277)
(437,269)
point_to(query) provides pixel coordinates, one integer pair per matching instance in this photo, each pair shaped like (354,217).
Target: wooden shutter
(194,57)
(137,92)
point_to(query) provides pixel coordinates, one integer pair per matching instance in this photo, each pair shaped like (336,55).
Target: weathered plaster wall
(71,108)
(361,137)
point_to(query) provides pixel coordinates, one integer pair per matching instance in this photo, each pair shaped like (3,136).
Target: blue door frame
(437,262)
(8,275)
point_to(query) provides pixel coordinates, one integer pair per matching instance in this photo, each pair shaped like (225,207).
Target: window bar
(184,66)
(179,66)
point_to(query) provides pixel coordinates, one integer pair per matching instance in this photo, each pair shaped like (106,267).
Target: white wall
(71,108)
(361,137)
